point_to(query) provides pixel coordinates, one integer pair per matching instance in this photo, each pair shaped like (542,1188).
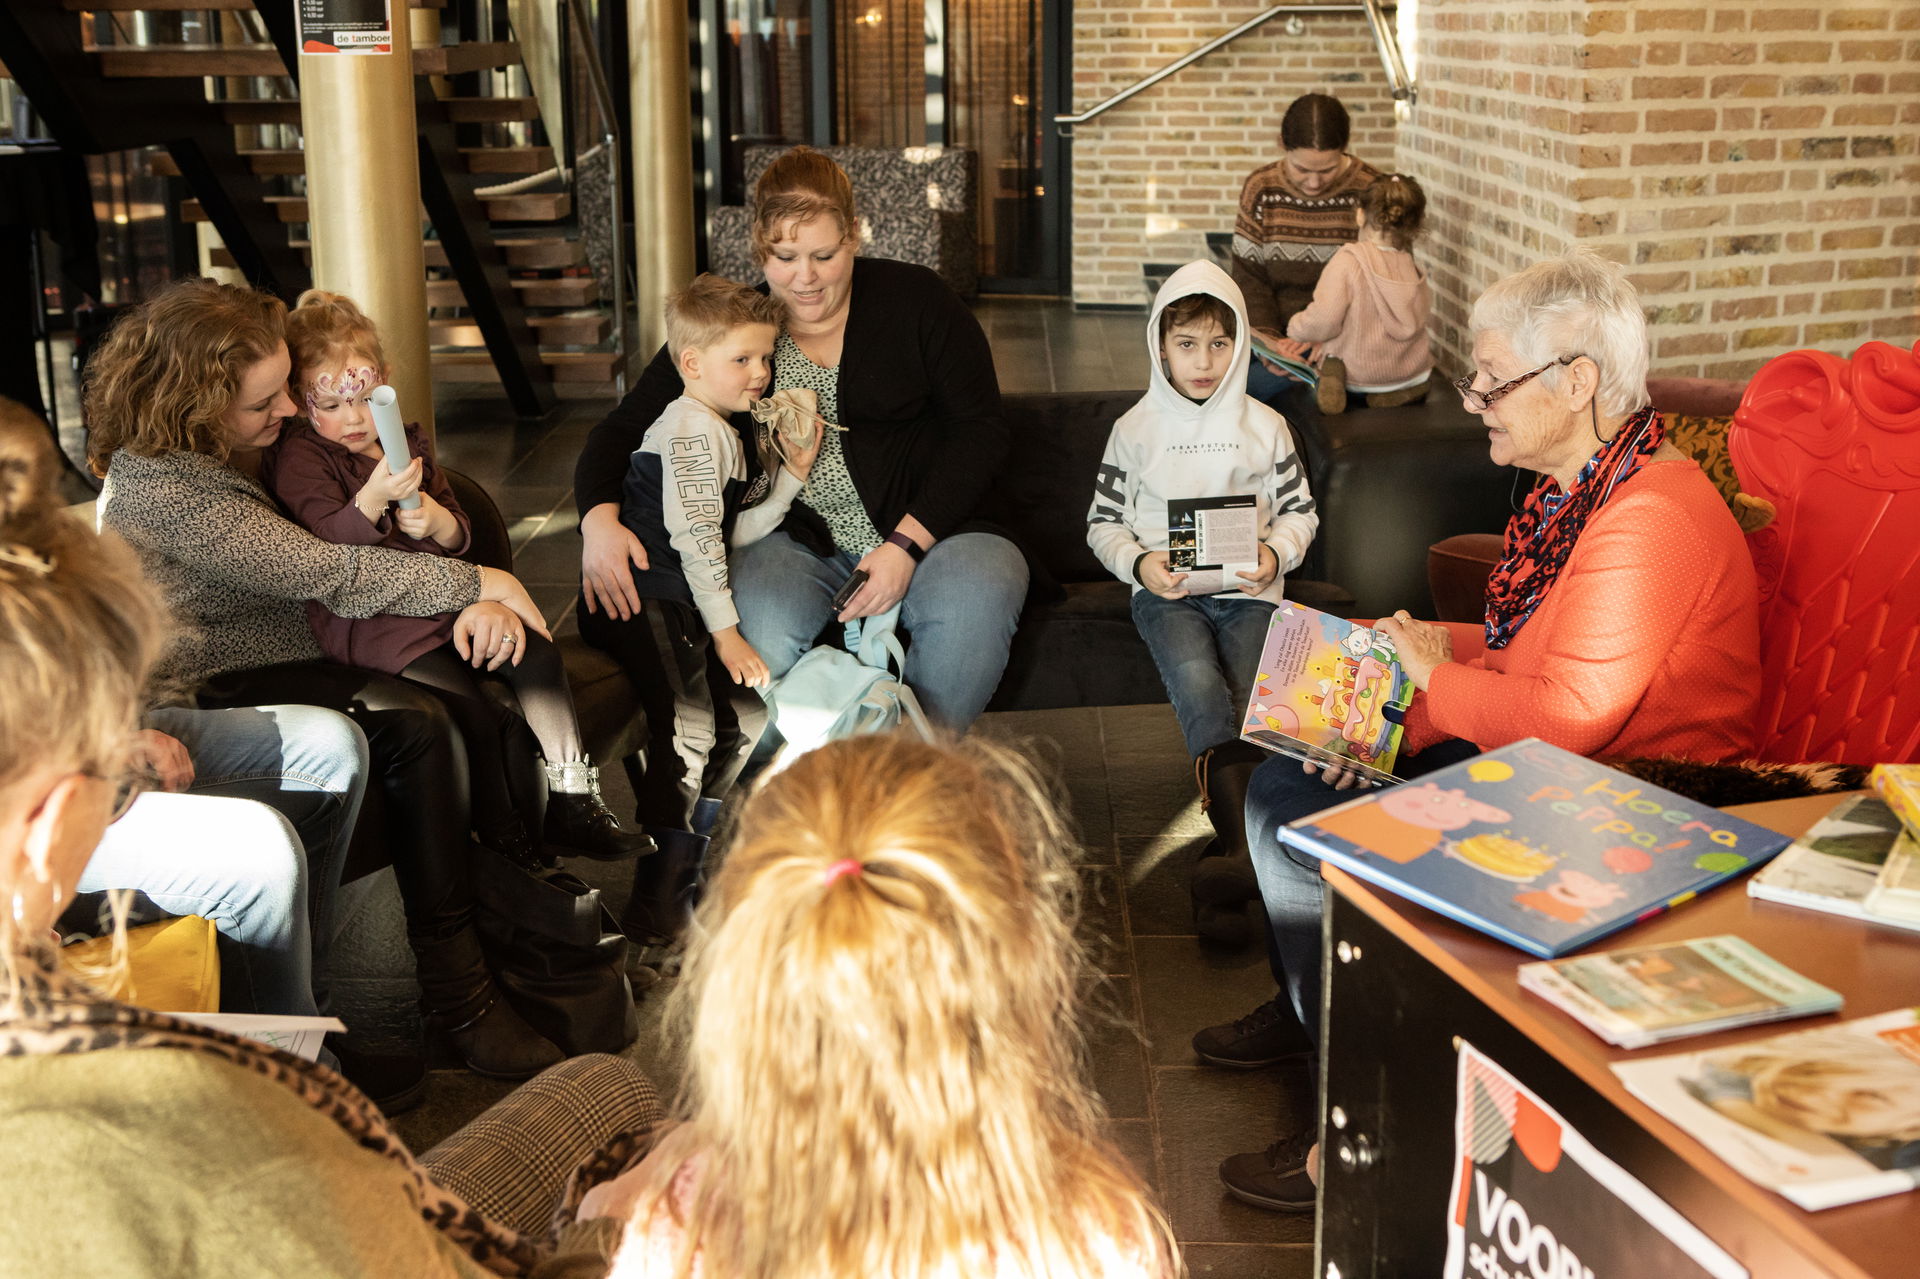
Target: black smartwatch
(905,543)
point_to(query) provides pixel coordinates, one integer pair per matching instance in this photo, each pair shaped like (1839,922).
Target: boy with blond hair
(685,489)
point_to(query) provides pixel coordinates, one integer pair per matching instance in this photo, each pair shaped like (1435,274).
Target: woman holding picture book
(1622,621)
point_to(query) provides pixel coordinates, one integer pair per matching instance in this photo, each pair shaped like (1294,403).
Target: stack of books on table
(1862,860)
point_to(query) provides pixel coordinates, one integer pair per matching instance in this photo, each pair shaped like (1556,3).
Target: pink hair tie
(845,866)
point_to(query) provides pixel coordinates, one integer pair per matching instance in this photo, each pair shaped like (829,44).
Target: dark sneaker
(1274,1178)
(395,1083)
(1267,1036)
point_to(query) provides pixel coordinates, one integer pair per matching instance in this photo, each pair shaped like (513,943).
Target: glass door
(983,74)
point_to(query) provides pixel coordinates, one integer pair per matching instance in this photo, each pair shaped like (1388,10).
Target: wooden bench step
(189,6)
(566,290)
(538,206)
(470,55)
(154,61)
(592,367)
(586,328)
(177,61)
(458,110)
(531,254)
(285,163)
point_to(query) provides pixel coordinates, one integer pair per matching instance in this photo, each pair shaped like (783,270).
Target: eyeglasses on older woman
(1478,401)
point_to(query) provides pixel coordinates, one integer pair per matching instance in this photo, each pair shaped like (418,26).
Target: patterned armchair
(916,204)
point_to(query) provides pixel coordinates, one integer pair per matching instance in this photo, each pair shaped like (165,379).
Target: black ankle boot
(579,821)
(461,1001)
(1226,878)
(511,841)
(663,888)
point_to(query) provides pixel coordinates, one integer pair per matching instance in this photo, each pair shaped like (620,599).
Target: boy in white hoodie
(1197,434)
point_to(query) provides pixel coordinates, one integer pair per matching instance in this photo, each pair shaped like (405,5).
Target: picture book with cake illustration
(1328,691)
(1535,845)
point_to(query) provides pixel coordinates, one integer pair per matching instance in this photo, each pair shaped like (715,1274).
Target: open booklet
(1211,539)
(1328,691)
(301,1036)
(1296,368)
(1825,1117)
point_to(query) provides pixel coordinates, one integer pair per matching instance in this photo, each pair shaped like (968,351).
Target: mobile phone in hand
(849,589)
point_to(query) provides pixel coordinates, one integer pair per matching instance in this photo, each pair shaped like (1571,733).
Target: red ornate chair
(1834,445)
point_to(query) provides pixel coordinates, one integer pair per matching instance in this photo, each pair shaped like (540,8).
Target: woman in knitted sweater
(135,1144)
(181,398)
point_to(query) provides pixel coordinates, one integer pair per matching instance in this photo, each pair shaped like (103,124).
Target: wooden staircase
(510,293)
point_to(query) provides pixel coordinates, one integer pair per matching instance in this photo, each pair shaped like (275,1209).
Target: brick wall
(1496,142)
(1152,176)
(1754,164)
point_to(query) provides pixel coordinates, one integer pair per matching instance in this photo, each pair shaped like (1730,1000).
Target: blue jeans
(256,844)
(959,614)
(1264,386)
(1207,648)
(1281,792)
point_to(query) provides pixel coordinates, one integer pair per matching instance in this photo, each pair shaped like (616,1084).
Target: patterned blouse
(829,489)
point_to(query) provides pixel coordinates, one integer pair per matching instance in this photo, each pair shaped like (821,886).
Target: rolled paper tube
(385,403)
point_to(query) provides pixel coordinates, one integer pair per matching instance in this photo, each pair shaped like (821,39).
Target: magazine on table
(1211,539)
(1328,691)
(1641,995)
(1836,864)
(1899,786)
(1825,1117)
(1541,848)
(1895,895)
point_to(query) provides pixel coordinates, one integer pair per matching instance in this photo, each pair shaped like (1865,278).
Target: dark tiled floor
(1132,796)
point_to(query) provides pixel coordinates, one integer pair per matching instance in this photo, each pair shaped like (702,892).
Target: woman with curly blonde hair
(144,1143)
(884,1075)
(182,397)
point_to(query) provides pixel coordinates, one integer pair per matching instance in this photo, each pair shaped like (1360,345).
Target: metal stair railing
(1384,40)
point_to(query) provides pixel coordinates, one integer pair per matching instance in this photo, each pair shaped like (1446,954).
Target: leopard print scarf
(1541,536)
(53,1014)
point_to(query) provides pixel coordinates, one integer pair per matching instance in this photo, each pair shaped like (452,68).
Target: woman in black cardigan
(897,360)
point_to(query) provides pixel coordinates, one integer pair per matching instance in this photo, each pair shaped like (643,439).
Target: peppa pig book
(1328,691)
(1535,845)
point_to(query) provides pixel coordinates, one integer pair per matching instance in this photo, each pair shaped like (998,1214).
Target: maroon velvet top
(316,482)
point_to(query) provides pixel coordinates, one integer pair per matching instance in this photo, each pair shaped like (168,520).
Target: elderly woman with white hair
(1623,620)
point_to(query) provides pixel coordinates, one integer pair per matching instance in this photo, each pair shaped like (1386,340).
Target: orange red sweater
(1648,644)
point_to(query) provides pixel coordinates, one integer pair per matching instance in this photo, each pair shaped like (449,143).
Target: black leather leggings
(419,807)
(504,763)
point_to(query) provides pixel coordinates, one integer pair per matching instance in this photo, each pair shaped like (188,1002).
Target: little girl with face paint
(331,475)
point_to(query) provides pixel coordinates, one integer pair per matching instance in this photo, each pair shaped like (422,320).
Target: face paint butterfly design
(353,384)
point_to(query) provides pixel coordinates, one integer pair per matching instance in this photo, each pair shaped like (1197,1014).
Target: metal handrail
(580,26)
(1388,45)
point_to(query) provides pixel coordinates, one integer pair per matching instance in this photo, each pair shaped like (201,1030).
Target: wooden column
(363,200)
(662,144)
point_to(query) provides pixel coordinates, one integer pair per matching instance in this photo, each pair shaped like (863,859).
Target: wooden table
(1419,983)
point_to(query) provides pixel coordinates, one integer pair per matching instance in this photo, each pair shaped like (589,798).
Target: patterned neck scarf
(1541,536)
(56,1015)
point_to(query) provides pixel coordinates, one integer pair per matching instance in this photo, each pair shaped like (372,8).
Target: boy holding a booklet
(1196,435)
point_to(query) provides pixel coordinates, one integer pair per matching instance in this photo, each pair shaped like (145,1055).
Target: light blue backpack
(830,693)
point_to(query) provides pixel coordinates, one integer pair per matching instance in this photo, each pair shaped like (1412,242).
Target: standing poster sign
(1533,1200)
(346,26)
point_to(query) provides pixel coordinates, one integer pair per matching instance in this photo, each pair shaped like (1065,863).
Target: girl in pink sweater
(1369,311)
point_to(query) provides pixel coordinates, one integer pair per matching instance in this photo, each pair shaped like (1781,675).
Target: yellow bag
(173,965)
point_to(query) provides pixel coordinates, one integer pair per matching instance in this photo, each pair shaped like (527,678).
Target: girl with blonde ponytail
(883,1072)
